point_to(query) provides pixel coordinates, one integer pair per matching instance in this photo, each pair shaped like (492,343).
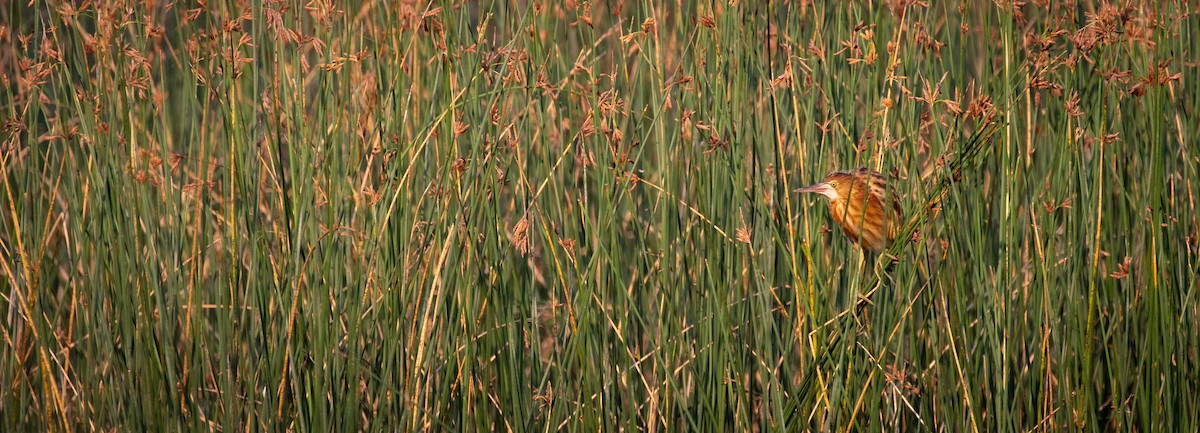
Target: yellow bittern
(863,205)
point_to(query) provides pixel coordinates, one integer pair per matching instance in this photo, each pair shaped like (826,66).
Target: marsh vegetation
(233,215)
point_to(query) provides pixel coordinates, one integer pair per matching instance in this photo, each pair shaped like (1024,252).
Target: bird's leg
(856,295)
(886,273)
(865,297)
(887,266)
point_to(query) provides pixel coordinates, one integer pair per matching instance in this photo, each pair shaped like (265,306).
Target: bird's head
(834,187)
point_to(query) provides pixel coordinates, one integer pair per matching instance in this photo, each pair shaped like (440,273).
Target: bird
(861,202)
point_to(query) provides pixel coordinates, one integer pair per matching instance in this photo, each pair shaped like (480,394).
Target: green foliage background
(512,216)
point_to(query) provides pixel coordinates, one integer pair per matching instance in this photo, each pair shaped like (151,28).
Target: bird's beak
(823,188)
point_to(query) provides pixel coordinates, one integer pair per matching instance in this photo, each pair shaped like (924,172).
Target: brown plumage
(849,193)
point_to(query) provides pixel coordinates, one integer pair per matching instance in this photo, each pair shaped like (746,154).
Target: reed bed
(233,215)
